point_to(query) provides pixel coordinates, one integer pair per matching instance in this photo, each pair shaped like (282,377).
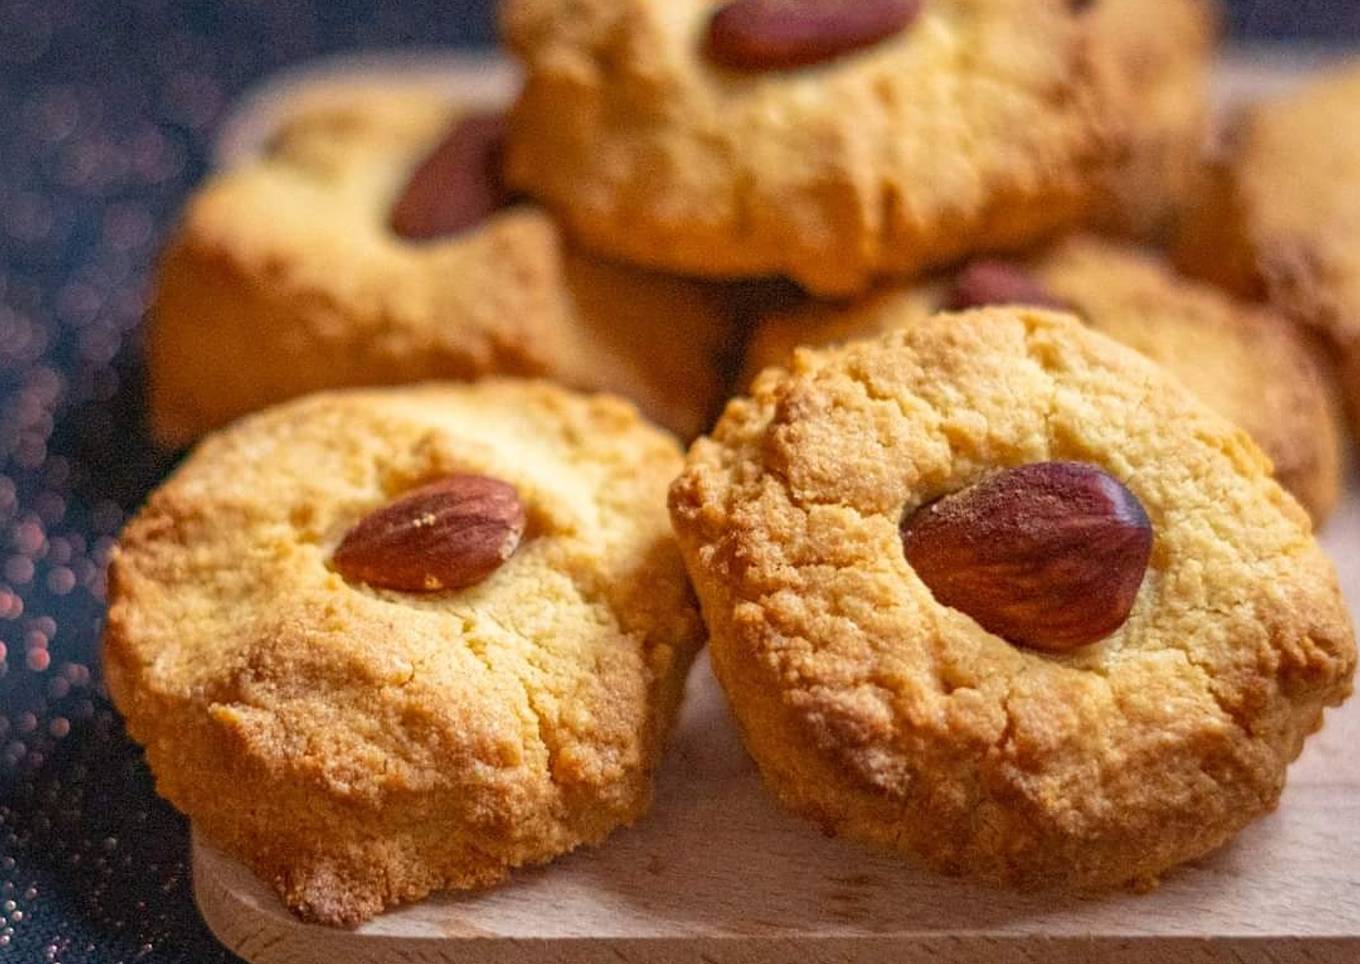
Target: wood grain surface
(717,873)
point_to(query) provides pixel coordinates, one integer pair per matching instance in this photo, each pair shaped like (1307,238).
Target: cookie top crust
(1248,364)
(286,275)
(310,219)
(979,126)
(1245,362)
(889,717)
(359,746)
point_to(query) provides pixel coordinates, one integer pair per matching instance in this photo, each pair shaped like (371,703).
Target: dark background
(107,111)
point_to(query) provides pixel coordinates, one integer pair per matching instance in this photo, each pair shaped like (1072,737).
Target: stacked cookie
(1275,220)
(374,244)
(996,550)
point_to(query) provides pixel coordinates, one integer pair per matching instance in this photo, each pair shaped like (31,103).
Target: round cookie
(976,126)
(287,275)
(1277,216)
(890,718)
(1244,362)
(360,747)
(1157,57)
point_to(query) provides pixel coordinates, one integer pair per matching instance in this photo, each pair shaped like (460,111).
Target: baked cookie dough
(360,747)
(287,276)
(1157,58)
(887,717)
(1278,216)
(1245,362)
(975,126)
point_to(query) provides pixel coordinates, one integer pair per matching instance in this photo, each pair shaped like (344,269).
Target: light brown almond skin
(784,34)
(458,186)
(1049,555)
(449,534)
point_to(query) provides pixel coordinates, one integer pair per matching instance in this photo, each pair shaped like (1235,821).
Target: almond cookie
(1016,457)
(831,143)
(379,643)
(371,246)
(1157,57)
(1277,219)
(1244,362)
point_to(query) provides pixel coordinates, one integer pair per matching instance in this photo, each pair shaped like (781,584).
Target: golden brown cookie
(289,275)
(1243,361)
(359,744)
(681,136)
(889,717)
(1157,57)
(1277,218)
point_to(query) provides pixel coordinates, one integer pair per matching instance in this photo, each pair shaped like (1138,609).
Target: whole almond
(984,283)
(1049,555)
(783,34)
(448,534)
(458,186)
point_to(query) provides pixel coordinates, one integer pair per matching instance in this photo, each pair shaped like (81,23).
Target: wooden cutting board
(717,873)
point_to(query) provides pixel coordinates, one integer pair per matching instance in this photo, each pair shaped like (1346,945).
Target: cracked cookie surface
(358,747)
(983,125)
(1245,362)
(889,718)
(284,276)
